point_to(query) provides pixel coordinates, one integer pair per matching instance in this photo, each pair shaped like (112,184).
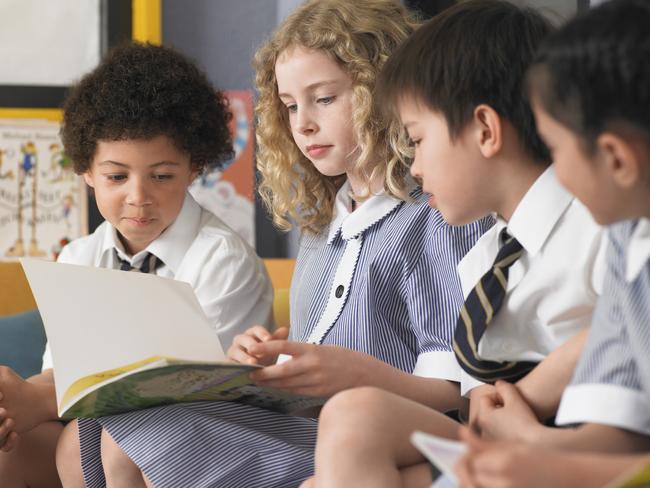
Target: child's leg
(416,476)
(363,438)
(68,457)
(118,467)
(32,462)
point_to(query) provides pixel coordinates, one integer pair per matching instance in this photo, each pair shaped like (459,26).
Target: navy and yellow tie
(480,307)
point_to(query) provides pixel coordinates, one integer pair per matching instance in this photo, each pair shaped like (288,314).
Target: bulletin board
(45,47)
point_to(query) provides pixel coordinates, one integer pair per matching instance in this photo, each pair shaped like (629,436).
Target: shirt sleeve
(606,387)
(233,289)
(435,280)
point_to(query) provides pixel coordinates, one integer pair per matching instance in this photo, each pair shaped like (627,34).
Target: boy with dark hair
(530,282)
(589,88)
(140,128)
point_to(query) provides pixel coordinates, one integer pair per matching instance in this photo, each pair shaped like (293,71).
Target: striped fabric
(405,293)
(481,305)
(611,384)
(402,300)
(149,264)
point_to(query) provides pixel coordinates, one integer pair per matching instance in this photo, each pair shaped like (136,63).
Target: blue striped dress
(381,280)
(611,385)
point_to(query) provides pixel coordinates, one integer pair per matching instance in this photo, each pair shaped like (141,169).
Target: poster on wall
(229,194)
(43,203)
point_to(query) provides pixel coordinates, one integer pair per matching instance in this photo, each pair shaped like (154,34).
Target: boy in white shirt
(589,89)
(529,291)
(140,128)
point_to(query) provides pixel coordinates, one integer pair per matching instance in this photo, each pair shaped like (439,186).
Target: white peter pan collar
(638,251)
(353,224)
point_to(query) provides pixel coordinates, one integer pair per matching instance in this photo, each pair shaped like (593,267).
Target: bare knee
(353,413)
(356,405)
(68,457)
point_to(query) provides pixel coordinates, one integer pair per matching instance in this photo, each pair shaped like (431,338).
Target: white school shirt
(553,288)
(611,384)
(228,278)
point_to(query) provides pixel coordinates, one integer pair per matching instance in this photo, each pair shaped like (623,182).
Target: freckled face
(318,97)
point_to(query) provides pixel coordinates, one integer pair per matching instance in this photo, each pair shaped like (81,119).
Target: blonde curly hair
(359,36)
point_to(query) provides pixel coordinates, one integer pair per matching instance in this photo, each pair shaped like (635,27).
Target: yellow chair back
(280,271)
(15,293)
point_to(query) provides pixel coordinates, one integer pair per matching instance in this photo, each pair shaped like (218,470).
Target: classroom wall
(221,35)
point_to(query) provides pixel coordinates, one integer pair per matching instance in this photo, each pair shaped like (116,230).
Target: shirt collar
(539,211)
(352,224)
(638,251)
(170,247)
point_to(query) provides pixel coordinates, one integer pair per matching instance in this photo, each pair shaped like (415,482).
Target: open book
(125,341)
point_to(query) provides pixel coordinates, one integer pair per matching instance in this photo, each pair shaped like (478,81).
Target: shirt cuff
(437,364)
(468,383)
(613,405)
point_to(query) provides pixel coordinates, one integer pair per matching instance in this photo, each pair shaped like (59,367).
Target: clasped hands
(500,412)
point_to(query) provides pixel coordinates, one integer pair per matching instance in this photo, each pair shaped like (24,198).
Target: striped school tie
(480,307)
(149,265)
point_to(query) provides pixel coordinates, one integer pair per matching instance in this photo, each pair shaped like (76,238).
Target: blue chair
(22,342)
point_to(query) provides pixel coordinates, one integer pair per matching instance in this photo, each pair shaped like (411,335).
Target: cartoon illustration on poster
(229,193)
(42,201)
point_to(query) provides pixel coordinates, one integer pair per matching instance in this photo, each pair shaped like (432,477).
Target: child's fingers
(508,392)
(6,428)
(245,342)
(474,442)
(281,334)
(10,442)
(259,332)
(275,348)
(241,356)
(287,369)
(463,473)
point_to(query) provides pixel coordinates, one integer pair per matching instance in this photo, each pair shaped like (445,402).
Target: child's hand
(509,417)
(240,350)
(479,399)
(8,437)
(21,404)
(490,464)
(314,370)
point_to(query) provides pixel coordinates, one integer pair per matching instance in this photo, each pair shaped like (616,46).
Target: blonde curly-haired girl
(375,293)
(358,37)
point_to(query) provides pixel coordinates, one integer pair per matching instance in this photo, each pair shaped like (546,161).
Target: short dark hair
(141,91)
(473,53)
(595,70)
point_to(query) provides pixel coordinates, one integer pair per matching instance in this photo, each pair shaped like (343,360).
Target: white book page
(99,319)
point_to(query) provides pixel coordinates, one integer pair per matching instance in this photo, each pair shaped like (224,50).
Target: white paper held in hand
(100,319)
(442,453)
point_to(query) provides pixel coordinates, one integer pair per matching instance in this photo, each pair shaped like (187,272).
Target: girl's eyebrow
(312,86)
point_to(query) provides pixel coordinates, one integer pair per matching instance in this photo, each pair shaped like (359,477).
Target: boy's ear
(88,179)
(621,158)
(489,130)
